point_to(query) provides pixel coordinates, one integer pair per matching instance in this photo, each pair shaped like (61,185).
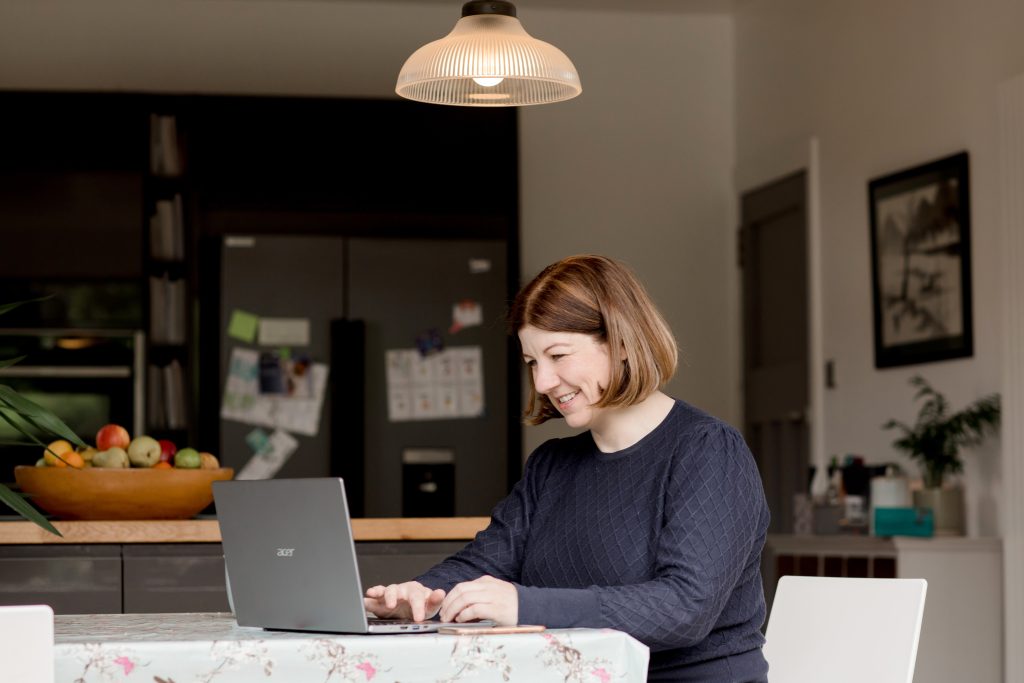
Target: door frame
(760,170)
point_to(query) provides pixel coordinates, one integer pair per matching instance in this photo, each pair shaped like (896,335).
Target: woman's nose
(543,379)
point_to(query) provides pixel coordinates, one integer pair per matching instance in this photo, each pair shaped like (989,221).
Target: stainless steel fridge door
(283,277)
(402,288)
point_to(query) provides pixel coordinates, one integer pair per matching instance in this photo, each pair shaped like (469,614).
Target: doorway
(776,396)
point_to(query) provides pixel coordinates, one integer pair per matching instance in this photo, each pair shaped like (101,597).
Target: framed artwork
(921,263)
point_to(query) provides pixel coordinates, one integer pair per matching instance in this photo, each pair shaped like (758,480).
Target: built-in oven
(88,378)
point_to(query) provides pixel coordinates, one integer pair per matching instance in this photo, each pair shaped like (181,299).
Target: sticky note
(243,326)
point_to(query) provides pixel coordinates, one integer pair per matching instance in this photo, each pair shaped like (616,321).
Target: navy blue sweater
(661,540)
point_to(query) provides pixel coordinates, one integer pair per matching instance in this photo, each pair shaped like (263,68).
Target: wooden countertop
(207,530)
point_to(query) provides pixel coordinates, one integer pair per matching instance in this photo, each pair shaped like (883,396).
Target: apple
(144,451)
(208,461)
(112,436)
(187,459)
(112,458)
(167,450)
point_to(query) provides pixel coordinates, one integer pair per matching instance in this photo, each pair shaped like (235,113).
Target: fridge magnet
(466,313)
(258,440)
(921,263)
(284,331)
(243,326)
(429,341)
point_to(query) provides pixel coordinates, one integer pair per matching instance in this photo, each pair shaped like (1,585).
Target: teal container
(904,522)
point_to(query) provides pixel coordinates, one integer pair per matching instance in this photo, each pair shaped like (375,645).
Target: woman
(650,522)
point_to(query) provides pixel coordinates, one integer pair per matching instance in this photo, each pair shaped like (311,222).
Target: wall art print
(921,263)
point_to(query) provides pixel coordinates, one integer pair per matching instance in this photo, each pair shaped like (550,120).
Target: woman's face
(570,368)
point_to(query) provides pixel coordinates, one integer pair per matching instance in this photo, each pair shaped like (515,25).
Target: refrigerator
(415,413)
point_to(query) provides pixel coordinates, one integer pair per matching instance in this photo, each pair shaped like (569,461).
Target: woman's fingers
(404,600)
(484,598)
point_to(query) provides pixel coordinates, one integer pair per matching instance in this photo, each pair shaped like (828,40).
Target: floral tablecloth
(212,648)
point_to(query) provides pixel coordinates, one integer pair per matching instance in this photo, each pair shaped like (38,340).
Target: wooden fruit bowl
(98,493)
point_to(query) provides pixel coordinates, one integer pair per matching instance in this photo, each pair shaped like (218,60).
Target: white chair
(844,630)
(26,644)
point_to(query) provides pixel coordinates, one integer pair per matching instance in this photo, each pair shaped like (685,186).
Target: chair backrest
(26,644)
(844,630)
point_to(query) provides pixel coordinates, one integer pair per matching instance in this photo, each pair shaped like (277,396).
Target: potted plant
(27,418)
(935,441)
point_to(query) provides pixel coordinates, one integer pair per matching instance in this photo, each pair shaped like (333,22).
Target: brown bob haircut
(601,297)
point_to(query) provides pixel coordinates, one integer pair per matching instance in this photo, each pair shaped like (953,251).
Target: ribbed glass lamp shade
(488,60)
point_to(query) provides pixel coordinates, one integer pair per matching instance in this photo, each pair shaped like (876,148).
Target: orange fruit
(163,465)
(74,460)
(59,447)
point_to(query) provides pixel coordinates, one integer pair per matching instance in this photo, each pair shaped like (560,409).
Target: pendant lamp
(488,60)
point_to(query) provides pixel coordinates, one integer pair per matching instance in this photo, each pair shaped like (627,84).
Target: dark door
(773,238)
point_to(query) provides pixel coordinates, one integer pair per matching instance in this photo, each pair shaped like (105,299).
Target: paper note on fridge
(243,402)
(466,313)
(274,454)
(243,326)
(440,386)
(284,332)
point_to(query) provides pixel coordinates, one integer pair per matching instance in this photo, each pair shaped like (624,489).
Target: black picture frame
(921,263)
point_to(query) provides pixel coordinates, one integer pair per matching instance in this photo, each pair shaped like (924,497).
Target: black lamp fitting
(501,7)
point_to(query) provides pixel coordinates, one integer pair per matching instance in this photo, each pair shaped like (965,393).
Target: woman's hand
(409,600)
(484,598)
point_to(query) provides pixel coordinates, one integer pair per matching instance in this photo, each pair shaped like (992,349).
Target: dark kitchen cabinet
(72,579)
(150,578)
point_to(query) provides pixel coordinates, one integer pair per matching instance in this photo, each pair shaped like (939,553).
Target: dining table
(211,647)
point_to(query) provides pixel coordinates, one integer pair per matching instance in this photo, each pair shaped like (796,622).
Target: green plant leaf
(4,308)
(18,503)
(11,361)
(36,415)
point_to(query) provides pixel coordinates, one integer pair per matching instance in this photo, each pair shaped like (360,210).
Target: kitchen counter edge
(208,531)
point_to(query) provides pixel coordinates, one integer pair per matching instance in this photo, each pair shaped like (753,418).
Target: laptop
(290,558)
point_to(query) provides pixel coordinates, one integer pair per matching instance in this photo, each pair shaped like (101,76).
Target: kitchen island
(153,566)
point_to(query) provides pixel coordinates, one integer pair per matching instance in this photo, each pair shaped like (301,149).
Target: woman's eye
(530,363)
(556,356)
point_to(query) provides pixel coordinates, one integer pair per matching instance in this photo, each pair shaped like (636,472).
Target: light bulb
(488,82)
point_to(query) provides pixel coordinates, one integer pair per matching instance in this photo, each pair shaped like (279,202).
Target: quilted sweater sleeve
(498,549)
(714,518)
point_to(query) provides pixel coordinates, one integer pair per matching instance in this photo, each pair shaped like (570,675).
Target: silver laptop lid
(290,555)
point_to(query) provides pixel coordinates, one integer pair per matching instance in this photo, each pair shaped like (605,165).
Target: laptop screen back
(289,552)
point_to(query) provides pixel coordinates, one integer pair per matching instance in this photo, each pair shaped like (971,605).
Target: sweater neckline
(629,450)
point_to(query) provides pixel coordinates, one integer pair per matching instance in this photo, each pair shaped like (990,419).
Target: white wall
(886,86)
(638,167)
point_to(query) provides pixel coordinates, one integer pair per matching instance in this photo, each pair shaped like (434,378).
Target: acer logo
(285,552)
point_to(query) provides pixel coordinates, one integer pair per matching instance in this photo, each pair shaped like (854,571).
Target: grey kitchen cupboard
(148,578)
